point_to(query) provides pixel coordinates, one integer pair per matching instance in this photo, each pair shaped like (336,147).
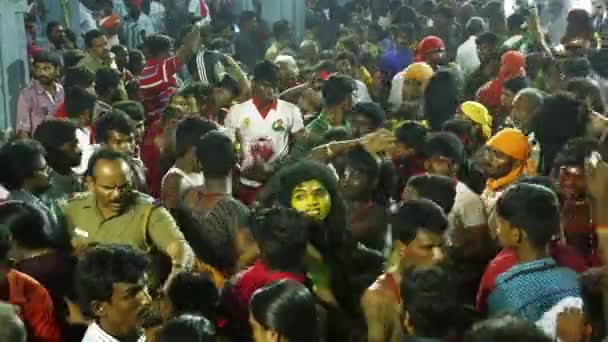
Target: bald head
(110,180)
(525,104)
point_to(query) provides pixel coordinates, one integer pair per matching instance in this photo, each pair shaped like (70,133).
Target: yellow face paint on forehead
(312,199)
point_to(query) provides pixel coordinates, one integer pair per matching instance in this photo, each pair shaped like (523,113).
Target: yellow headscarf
(420,72)
(514,144)
(480,115)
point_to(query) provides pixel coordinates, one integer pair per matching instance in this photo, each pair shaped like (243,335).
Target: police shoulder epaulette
(142,198)
(78,196)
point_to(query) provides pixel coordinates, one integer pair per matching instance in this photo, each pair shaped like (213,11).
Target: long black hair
(287,308)
(331,233)
(441,98)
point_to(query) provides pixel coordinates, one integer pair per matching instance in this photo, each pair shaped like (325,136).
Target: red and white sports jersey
(263,133)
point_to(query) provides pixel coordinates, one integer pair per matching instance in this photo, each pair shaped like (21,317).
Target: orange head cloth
(420,72)
(427,45)
(513,64)
(109,22)
(514,144)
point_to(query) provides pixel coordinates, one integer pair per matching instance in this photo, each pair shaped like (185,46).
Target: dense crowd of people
(408,170)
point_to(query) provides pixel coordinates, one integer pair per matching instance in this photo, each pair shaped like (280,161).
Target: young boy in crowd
(528,218)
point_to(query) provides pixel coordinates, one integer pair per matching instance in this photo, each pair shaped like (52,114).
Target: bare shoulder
(375,295)
(172,179)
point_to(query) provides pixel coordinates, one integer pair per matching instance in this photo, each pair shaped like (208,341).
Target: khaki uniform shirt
(92,64)
(136,226)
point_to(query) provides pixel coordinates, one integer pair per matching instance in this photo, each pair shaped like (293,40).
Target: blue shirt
(394,61)
(530,289)
(133,31)
(387,44)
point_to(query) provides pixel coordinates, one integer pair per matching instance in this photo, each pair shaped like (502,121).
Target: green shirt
(315,131)
(86,225)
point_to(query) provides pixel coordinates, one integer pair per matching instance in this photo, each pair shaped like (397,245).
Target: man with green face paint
(311,199)
(339,268)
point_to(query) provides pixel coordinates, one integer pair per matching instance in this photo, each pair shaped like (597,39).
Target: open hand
(379,141)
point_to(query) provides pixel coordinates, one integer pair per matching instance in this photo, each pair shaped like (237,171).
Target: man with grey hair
(525,104)
(309,53)
(467,56)
(11,327)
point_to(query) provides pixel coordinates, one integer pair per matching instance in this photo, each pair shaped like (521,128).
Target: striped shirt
(157,83)
(96,334)
(158,16)
(209,66)
(133,31)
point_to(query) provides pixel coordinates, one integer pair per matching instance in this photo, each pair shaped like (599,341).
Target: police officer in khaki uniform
(111,212)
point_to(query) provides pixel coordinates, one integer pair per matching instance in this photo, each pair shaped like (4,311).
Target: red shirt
(264,110)
(157,83)
(564,255)
(35,307)
(60,113)
(236,294)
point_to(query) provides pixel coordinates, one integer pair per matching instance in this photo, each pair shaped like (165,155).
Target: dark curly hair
(19,162)
(335,224)
(441,98)
(282,235)
(428,297)
(101,268)
(194,294)
(561,117)
(26,225)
